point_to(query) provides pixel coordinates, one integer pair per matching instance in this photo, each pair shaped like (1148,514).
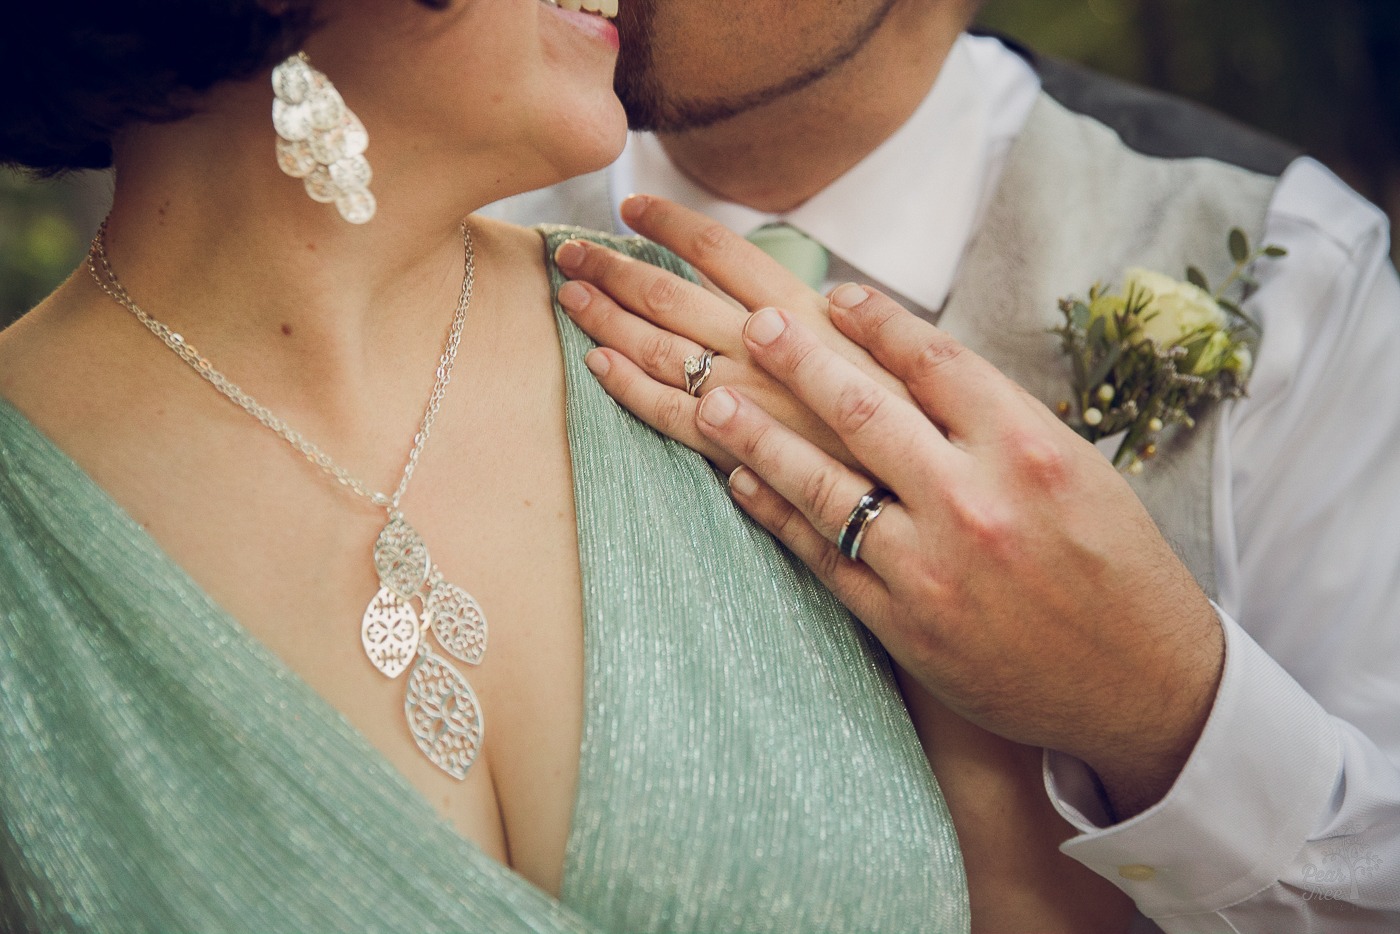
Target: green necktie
(804,257)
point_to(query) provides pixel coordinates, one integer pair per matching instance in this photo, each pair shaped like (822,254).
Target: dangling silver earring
(321,141)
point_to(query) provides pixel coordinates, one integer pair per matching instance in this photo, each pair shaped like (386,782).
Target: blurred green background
(1324,74)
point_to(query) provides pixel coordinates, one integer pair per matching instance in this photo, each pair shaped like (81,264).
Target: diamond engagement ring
(859,520)
(697,370)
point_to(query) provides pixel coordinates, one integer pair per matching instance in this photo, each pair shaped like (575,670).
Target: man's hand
(1017,577)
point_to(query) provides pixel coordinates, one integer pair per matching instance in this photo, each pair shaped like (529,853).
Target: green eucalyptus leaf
(1239,246)
(1197,278)
(1105,366)
(1079,315)
(1275,252)
(1098,328)
(1076,354)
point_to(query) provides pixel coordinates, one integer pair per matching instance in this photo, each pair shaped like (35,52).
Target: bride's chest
(291,556)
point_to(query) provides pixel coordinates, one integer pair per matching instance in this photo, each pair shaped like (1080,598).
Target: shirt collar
(904,214)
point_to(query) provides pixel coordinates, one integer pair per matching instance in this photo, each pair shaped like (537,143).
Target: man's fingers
(884,431)
(731,262)
(853,582)
(823,489)
(666,409)
(661,297)
(955,387)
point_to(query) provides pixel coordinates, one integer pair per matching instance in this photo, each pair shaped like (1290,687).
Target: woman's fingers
(955,387)
(659,353)
(823,489)
(735,265)
(885,432)
(853,582)
(670,411)
(663,298)
(742,271)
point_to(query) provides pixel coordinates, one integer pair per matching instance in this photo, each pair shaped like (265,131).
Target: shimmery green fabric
(161,771)
(746,762)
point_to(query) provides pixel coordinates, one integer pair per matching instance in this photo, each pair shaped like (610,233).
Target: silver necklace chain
(102,273)
(442,712)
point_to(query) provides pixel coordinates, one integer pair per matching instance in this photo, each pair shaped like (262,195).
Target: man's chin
(643,107)
(650,109)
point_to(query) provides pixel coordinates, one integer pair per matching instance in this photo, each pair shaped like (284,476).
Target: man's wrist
(1176,698)
(1251,792)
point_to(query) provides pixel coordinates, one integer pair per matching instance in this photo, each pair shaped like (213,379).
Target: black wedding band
(865,512)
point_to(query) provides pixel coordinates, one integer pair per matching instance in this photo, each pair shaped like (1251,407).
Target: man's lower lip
(591,23)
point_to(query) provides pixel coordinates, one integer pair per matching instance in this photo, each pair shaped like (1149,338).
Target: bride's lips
(591,23)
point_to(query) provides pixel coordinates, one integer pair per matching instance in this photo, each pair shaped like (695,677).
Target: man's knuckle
(800,356)
(784,519)
(760,445)
(981,520)
(828,563)
(936,352)
(710,241)
(1042,462)
(821,490)
(856,406)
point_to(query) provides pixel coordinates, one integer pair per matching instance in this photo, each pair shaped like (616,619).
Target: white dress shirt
(1287,815)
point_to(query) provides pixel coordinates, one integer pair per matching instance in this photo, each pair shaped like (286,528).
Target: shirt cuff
(1250,794)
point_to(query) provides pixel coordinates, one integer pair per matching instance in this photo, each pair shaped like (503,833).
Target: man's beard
(650,108)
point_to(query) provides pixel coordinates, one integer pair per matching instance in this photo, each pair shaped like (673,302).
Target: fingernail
(743,482)
(569,255)
(573,296)
(849,295)
(597,362)
(718,407)
(633,208)
(764,326)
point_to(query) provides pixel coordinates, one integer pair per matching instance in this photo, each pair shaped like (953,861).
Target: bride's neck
(210,237)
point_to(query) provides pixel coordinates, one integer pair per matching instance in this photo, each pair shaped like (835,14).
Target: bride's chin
(581,143)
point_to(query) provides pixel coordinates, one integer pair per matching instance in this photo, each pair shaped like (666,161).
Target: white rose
(1176,308)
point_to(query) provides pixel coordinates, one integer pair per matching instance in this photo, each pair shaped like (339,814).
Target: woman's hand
(649,321)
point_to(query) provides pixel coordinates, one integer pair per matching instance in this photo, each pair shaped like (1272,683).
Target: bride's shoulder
(60,361)
(36,341)
(541,239)
(538,243)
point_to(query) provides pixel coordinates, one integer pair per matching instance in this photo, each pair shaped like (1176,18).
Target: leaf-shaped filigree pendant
(457,621)
(443,715)
(390,633)
(401,558)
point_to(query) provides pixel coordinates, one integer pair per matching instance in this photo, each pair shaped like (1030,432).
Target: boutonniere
(1158,352)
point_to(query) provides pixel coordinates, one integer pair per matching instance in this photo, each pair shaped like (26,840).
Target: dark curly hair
(75,72)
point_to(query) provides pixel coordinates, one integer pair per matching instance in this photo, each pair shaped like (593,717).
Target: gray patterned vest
(1079,202)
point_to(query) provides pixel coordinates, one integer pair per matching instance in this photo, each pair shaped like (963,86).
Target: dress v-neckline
(136,536)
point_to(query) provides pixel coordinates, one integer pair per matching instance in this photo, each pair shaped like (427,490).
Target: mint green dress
(746,764)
